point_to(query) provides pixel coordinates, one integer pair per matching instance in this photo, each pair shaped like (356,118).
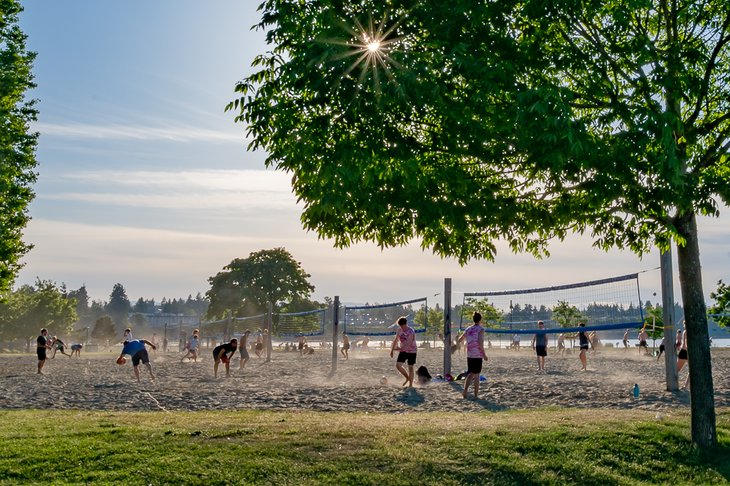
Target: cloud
(81,131)
(241,190)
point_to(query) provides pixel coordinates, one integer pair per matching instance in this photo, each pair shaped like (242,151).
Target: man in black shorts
(539,344)
(41,349)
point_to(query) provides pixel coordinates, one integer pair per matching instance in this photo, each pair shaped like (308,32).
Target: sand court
(292,382)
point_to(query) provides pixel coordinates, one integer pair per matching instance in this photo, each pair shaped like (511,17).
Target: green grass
(254,447)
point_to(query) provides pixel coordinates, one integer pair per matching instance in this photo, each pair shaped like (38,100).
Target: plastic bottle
(636,390)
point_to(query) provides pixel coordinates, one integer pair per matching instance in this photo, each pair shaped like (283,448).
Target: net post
(270,329)
(670,350)
(335,325)
(447,326)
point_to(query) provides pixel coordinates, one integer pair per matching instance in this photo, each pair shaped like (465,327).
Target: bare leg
(136,372)
(399,367)
(476,386)
(583,359)
(466,385)
(40,366)
(149,368)
(410,375)
(228,368)
(215,369)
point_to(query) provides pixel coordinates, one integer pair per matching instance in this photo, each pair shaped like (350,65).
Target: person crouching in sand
(405,343)
(136,349)
(475,354)
(223,352)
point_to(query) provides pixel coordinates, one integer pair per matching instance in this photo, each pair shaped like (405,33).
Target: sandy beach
(292,382)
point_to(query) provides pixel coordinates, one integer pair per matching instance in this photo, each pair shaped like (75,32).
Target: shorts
(642,344)
(682,354)
(75,347)
(142,356)
(244,353)
(661,348)
(259,346)
(301,346)
(583,346)
(474,365)
(346,347)
(541,350)
(41,354)
(406,357)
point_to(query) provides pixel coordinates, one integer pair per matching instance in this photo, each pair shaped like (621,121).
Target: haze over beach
(145,180)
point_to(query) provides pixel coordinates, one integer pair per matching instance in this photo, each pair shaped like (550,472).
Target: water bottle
(636,390)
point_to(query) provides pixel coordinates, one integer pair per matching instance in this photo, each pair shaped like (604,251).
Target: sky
(144,180)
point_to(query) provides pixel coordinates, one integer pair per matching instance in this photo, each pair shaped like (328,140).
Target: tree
(460,124)
(245,286)
(104,329)
(119,306)
(721,309)
(26,310)
(17,143)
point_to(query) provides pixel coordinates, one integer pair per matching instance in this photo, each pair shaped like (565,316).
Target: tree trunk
(702,395)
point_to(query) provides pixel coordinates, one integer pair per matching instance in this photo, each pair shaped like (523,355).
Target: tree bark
(702,395)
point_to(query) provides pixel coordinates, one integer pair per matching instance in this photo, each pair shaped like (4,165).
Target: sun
(371,45)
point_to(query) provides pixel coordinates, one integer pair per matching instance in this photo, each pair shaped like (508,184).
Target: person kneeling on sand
(136,349)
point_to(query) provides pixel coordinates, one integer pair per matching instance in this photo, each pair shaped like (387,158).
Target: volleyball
(121,360)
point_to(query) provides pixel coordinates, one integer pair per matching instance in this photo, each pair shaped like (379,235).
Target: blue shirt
(133,347)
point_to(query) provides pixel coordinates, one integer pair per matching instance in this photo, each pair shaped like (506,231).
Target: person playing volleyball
(584,343)
(539,344)
(192,346)
(136,349)
(405,339)
(243,349)
(475,354)
(223,352)
(346,346)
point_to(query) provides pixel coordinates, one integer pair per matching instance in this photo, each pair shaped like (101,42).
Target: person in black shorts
(539,344)
(43,345)
(584,344)
(223,353)
(682,355)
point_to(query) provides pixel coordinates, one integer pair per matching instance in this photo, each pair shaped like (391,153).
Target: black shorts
(642,344)
(682,354)
(583,346)
(41,353)
(541,350)
(142,356)
(474,365)
(407,357)
(661,348)
(259,346)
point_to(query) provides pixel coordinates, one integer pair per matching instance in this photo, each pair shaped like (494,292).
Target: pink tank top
(403,335)
(473,350)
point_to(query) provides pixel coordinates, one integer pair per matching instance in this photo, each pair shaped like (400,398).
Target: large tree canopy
(247,285)
(17,143)
(465,122)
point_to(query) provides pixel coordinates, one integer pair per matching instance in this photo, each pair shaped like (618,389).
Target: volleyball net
(607,304)
(296,324)
(381,319)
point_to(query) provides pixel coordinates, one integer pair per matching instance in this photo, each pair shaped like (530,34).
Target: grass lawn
(555,446)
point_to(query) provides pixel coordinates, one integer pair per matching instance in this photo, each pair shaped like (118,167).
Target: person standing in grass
(475,354)
(223,353)
(405,343)
(42,346)
(539,344)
